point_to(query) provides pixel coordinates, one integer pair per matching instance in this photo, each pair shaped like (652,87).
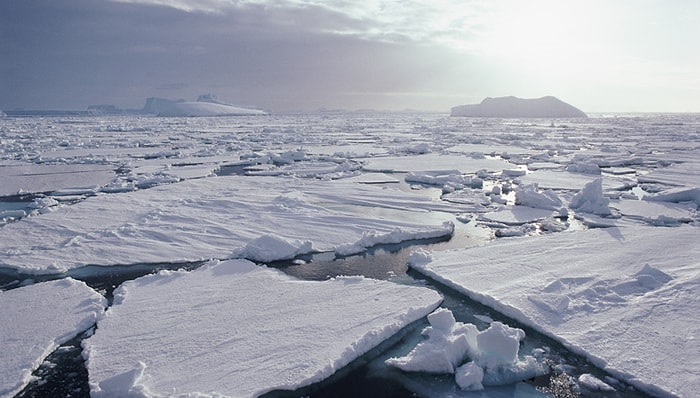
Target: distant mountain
(513,107)
(206,105)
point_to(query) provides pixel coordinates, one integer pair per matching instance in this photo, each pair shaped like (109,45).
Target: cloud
(449,22)
(294,54)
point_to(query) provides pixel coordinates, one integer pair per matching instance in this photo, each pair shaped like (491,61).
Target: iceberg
(514,107)
(37,319)
(204,106)
(236,329)
(624,297)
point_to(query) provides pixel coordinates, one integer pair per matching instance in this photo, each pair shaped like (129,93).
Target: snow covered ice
(625,297)
(584,230)
(248,330)
(36,320)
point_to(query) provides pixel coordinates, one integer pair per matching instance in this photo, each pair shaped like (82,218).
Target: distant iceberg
(206,105)
(515,107)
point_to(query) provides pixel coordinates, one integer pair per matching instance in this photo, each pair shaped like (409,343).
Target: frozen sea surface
(604,210)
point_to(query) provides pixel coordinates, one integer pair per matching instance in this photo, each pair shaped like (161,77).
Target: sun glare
(551,39)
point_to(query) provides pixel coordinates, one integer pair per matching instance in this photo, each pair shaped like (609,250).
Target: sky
(296,55)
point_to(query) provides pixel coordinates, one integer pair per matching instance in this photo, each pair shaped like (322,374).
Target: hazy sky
(599,55)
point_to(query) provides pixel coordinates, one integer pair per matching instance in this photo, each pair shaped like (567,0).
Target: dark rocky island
(514,107)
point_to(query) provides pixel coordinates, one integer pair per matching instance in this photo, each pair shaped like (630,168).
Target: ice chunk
(494,352)
(446,347)
(373,238)
(269,248)
(585,167)
(35,320)
(590,382)
(529,195)
(591,200)
(469,377)
(498,345)
(677,195)
(235,329)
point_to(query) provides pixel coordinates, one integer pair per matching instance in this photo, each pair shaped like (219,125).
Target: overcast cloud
(302,55)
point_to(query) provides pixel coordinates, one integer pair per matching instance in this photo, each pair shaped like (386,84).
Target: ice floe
(35,320)
(624,297)
(236,329)
(216,218)
(38,178)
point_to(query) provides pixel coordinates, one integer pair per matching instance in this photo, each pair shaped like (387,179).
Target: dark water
(63,373)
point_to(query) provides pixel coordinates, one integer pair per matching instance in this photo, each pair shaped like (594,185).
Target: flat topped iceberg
(514,107)
(35,320)
(627,298)
(236,329)
(204,106)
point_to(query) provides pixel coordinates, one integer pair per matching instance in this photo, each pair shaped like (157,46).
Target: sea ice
(624,297)
(39,178)
(35,320)
(433,162)
(656,212)
(216,218)
(236,329)
(530,195)
(516,215)
(554,179)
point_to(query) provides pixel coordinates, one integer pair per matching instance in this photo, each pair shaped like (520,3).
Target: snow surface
(237,329)
(624,297)
(35,320)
